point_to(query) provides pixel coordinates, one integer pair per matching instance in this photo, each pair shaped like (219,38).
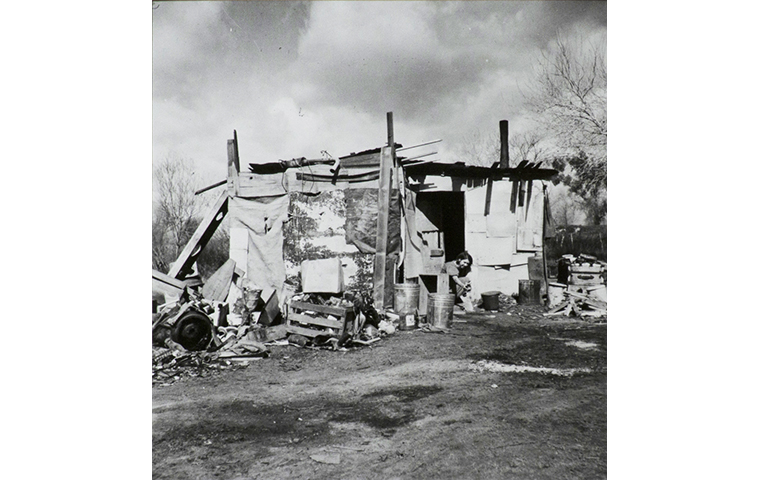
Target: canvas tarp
(256,238)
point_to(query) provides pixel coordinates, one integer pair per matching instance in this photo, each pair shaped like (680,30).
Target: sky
(297,78)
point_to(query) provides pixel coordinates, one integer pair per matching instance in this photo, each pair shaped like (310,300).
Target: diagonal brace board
(183,266)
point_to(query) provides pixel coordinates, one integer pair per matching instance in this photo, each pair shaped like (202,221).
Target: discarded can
(440,310)
(490,300)
(406,298)
(529,292)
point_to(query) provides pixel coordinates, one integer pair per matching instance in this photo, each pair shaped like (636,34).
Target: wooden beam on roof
(184,263)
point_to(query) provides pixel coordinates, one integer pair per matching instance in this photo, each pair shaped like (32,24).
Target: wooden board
(253,185)
(306,332)
(183,265)
(337,311)
(218,285)
(319,321)
(381,243)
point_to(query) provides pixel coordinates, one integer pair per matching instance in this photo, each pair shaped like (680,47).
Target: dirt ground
(413,405)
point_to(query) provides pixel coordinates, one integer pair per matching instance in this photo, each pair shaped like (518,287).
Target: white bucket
(556,293)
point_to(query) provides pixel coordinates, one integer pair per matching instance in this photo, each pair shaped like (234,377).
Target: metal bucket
(490,300)
(530,292)
(406,298)
(556,293)
(440,310)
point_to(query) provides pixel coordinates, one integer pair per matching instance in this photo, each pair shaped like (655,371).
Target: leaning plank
(168,280)
(200,238)
(218,286)
(170,285)
(559,307)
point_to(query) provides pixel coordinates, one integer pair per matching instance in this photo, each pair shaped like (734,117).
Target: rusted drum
(530,292)
(406,298)
(440,310)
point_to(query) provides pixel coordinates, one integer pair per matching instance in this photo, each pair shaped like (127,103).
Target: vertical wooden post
(504,135)
(233,166)
(383,207)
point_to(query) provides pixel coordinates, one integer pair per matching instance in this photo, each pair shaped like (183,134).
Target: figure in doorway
(459,283)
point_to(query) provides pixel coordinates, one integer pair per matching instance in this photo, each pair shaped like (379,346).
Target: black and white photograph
(379,240)
(379,235)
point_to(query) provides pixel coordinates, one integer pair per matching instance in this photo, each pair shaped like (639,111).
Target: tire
(193,331)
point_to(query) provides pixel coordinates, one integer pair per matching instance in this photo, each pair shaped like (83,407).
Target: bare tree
(484,150)
(526,146)
(478,149)
(176,208)
(568,94)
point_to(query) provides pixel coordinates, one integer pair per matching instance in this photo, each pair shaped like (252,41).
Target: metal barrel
(406,298)
(490,300)
(440,310)
(529,292)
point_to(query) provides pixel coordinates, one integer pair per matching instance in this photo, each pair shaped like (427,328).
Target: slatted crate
(311,326)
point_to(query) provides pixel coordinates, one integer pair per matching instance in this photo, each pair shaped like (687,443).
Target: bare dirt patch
(409,406)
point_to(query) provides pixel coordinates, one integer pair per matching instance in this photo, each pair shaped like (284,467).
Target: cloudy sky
(296,78)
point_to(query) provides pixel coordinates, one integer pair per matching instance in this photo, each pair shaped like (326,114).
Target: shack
(405,215)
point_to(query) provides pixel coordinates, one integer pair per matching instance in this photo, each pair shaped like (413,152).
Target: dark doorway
(445,210)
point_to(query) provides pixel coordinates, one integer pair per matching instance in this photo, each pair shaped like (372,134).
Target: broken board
(218,286)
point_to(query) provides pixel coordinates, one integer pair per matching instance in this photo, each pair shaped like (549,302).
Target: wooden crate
(310,326)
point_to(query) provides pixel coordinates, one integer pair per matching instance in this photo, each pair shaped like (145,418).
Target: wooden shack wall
(501,241)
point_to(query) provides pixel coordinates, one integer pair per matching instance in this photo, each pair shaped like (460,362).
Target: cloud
(294,78)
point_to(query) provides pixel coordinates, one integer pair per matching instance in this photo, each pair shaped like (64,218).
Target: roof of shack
(524,171)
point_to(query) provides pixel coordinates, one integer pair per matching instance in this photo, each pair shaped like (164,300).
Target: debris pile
(580,303)
(186,340)
(581,290)
(230,321)
(328,320)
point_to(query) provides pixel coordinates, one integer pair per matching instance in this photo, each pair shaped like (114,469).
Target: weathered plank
(306,332)
(183,265)
(309,320)
(233,166)
(337,311)
(381,243)
(218,285)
